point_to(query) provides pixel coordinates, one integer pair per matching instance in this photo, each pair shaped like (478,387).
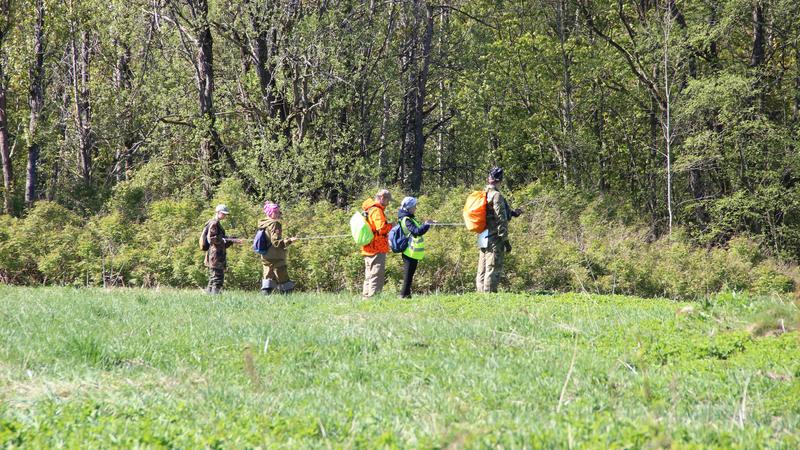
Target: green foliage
(44,247)
(567,94)
(564,242)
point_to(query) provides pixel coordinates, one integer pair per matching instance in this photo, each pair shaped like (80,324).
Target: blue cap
(408,203)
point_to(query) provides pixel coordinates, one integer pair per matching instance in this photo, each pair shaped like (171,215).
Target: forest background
(653,144)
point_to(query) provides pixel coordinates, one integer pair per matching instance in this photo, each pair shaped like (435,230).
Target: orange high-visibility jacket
(376,218)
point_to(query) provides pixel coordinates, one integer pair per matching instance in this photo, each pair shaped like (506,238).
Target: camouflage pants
(490,267)
(216,277)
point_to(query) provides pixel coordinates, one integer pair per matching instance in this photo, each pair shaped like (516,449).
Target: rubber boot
(287,287)
(267,286)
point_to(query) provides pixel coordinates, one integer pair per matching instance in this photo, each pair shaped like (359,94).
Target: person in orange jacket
(375,252)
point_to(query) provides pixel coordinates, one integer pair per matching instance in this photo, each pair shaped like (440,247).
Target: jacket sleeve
(377,219)
(275,231)
(414,229)
(215,237)
(499,207)
(510,213)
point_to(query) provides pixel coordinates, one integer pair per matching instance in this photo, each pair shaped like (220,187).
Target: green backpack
(360,229)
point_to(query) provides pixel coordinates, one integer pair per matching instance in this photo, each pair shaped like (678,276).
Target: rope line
(331,236)
(339,236)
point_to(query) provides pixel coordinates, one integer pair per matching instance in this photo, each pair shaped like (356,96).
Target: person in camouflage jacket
(492,255)
(216,257)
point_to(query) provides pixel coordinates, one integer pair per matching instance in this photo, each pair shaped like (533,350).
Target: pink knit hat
(271,208)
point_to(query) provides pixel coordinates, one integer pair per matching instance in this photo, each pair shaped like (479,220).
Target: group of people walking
(493,243)
(275,272)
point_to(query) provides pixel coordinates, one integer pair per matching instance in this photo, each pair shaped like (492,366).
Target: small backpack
(475,211)
(360,229)
(261,242)
(203,240)
(398,240)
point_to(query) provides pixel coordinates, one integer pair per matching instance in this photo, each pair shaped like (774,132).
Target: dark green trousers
(216,278)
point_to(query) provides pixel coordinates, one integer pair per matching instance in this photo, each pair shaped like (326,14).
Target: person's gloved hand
(507,246)
(516,213)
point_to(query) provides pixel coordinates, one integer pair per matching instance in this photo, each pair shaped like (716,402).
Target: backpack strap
(207,228)
(489,208)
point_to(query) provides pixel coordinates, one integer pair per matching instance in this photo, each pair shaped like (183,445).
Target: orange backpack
(475,212)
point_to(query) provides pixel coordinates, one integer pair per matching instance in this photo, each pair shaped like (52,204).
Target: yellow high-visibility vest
(416,245)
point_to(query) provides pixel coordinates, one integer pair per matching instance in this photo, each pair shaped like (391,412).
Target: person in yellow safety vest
(415,251)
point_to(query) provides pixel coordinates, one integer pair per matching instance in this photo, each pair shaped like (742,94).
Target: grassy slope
(181,369)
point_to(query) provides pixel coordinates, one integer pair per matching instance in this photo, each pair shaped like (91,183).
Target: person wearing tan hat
(216,257)
(375,252)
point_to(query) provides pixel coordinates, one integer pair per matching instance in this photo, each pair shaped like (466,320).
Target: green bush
(769,278)
(564,242)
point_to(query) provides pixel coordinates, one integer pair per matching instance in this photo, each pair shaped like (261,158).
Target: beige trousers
(374,274)
(490,267)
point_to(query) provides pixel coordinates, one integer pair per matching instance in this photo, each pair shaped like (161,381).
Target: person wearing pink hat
(276,274)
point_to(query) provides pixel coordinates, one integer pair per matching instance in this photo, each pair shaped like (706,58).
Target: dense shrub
(563,243)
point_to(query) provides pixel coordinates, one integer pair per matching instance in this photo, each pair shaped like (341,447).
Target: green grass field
(134,368)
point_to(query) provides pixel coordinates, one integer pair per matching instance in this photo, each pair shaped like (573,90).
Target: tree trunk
(666,118)
(420,79)
(265,46)
(567,125)
(267,29)
(713,51)
(81,96)
(796,106)
(204,64)
(122,83)
(5,151)
(62,92)
(35,100)
(653,165)
(697,185)
(4,144)
(599,129)
(383,138)
(441,141)
(759,35)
